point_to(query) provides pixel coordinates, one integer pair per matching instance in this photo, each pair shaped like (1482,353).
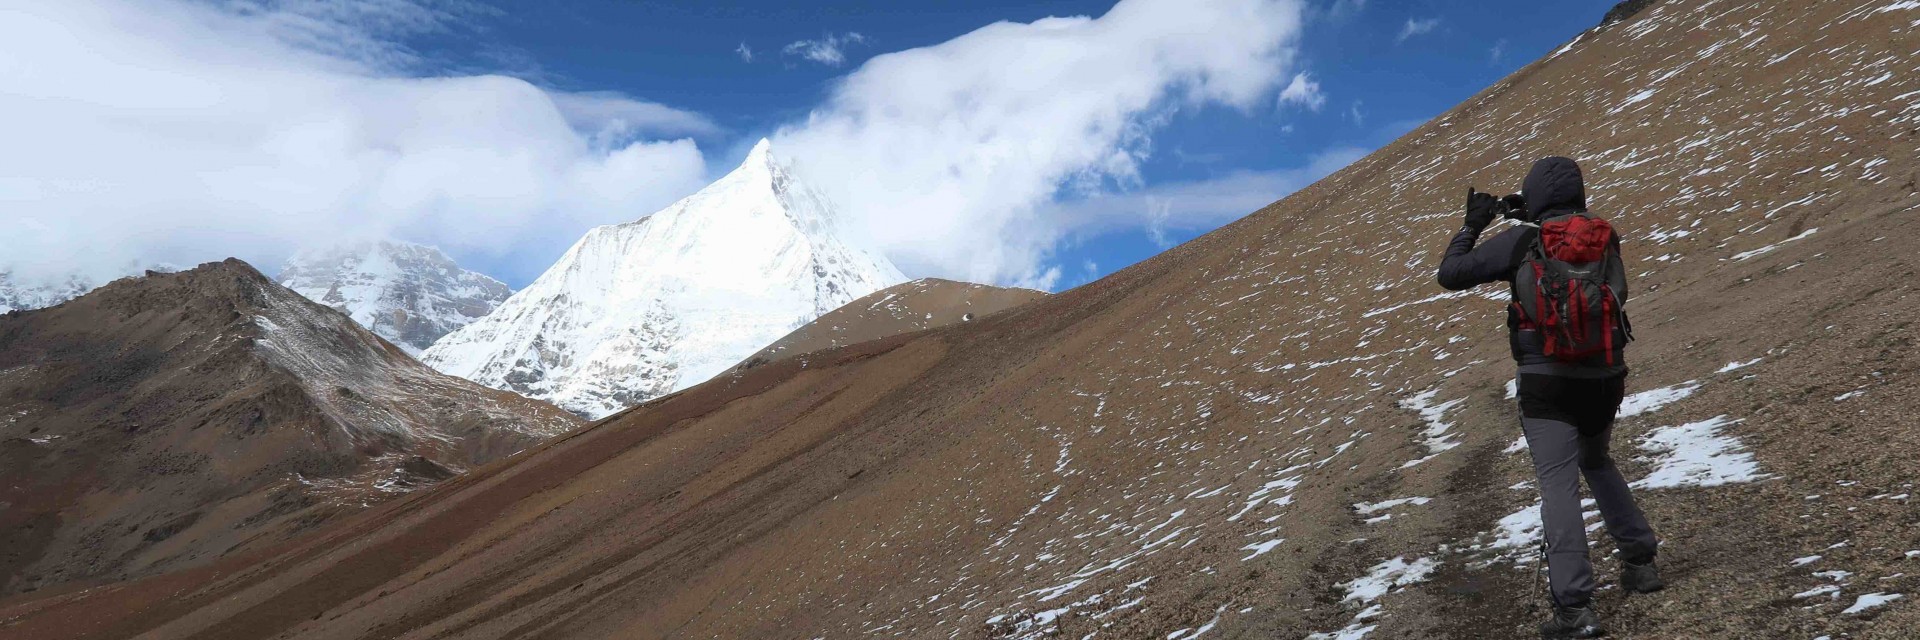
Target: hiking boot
(1572,622)
(1640,578)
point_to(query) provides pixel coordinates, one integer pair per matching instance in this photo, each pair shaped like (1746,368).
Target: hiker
(1568,333)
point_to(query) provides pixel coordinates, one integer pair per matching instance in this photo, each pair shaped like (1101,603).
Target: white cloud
(1159,212)
(1359,117)
(1303,92)
(829,50)
(1499,51)
(145,131)
(365,31)
(1200,204)
(1415,28)
(952,156)
(745,52)
(612,119)
(1343,9)
(159,130)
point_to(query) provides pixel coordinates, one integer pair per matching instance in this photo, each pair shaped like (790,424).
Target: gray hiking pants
(1569,423)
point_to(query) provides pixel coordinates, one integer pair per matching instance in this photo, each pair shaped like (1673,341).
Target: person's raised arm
(1466,266)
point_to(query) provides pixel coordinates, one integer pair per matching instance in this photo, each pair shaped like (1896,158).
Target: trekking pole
(1542,574)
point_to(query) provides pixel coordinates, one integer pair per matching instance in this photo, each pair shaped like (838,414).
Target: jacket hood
(1554,183)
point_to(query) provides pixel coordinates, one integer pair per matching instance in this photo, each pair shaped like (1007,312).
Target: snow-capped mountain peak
(636,310)
(409,294)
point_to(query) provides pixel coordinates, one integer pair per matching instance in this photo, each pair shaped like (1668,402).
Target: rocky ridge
(166,420)
(919,305)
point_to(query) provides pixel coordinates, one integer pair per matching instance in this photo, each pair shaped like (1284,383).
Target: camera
(1516,208)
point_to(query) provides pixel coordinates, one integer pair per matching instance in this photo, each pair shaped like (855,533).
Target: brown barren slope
(163,421)
(1181,446)
(907,307)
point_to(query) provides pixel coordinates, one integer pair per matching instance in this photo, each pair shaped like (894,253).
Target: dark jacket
(1554,188)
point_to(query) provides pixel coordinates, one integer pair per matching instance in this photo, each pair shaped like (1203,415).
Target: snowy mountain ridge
(409,294)
(20,295)
(26,292)
(327,352)
(637,310)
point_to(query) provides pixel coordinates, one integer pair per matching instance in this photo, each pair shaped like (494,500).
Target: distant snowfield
(23,293)
(19,294)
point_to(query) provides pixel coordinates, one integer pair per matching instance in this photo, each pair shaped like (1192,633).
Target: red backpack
(1568,288)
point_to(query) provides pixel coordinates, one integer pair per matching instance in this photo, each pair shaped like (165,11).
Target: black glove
(1482,208)
(1516,207)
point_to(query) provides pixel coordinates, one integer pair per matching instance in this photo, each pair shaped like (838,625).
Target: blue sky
(1383,67)
(1061,150)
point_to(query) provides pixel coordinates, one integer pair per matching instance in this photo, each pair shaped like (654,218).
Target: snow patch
(1387,576)
(1819,591)
(1518,530)
(1870,601)
(1653,400)
(1697,454)
(1190,634)
(1383,578)
(1744,255)
(1261,547)
(1354,631)
(1437,439)
(1632,100)
(1367,509)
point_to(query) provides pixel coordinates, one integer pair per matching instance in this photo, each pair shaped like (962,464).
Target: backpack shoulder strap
(1527,250)
(1529,247)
